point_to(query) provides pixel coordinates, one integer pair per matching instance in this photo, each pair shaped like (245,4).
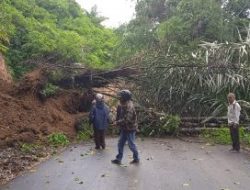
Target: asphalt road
(166,164)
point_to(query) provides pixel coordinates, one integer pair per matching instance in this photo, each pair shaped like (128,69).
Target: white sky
(118,11)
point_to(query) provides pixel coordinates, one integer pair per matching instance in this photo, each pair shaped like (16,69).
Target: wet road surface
(166,164)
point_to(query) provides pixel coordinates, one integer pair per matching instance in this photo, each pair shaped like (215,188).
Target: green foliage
(196,83)
(222,135)
(84,135)
(4,37)
(168,125)
(29,148)
(193,53)
(203,20)
(58,139)
(171,124)
(55,75)
(238,8)
(49,90)
(32,29)
(3,41)
(182,24)
(245,136)
(85,131)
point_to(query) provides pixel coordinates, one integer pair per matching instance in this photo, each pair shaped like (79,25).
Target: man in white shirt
(233,115)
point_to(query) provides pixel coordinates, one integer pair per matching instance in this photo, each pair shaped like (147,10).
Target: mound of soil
(26,119)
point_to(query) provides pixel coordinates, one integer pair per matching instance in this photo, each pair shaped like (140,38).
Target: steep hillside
(26,119)
(38,31)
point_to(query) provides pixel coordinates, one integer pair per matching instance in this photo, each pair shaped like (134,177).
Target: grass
(58,139)
(84,135)
(49,90)
(222,136)
(167,125)
(28,148)
(85,130)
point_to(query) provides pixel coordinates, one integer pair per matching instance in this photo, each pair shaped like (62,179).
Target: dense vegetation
(193,53)
(38,31)
(184,23)
(222,136)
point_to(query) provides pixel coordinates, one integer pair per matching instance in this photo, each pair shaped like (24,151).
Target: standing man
(233,121)
(99,117)
(126,120)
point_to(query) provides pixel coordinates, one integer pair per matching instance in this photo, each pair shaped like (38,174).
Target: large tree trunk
(96,78)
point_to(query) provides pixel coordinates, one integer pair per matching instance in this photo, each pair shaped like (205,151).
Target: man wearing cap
(126,120)
(99,117)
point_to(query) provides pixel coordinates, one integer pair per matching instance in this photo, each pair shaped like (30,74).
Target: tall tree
(53,28)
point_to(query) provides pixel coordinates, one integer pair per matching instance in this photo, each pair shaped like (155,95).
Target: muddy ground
(25,118)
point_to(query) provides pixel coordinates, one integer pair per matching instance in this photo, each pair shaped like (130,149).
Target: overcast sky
(118,11)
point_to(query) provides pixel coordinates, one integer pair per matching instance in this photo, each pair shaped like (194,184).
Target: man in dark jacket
(99,117)
(126,120)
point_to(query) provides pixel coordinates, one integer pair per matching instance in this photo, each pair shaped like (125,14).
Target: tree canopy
(193,52)
(31,29)
(184,23)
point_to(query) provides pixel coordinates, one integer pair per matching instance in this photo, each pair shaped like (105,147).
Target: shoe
(118,162)
(103,147)
(232,150)
(135,162)
(97,147)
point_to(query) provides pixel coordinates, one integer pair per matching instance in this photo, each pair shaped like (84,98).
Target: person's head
(99,97)
(124,96)
(94,102)
(231,98)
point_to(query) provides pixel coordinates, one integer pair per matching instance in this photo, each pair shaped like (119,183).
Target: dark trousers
(235,136)
(99,137)
(130,137)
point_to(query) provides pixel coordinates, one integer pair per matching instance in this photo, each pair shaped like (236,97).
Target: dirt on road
(166,164)
(24,118)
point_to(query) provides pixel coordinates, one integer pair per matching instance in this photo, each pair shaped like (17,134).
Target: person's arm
(120,116)
(237,112)
(117,113)
(108,114)
(92,115)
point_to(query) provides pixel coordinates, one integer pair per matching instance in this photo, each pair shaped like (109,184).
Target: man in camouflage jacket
(126,120)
